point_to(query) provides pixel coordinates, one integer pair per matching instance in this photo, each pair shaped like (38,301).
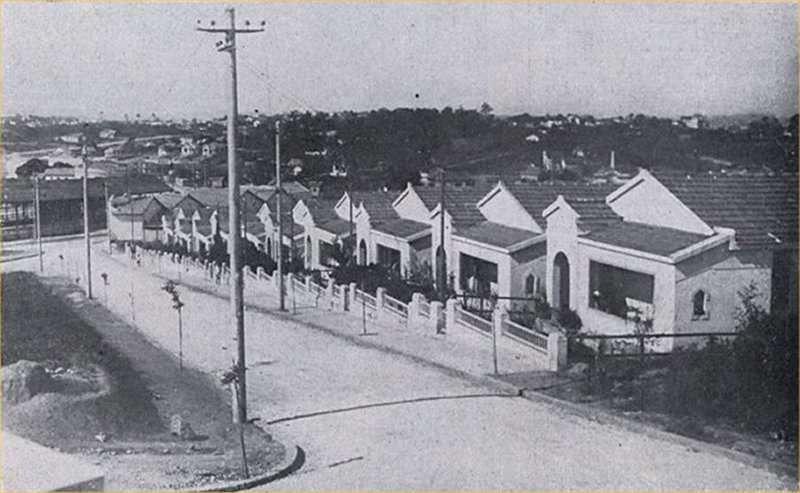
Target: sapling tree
(104,276)
(171,287)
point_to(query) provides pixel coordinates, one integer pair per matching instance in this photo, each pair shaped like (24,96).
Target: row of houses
(675,250)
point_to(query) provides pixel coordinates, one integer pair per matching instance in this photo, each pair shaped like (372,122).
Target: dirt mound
(23,380)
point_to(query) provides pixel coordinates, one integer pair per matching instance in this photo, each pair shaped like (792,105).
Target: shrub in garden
(751,381)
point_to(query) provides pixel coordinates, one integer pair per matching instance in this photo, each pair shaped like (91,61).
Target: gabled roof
(460,202)
(126,207)
(535,197)
(496,234)
(656,240)
(210,197)
(761,208)
(378,204)
(594,212)
(339,227)
(402,228)
(321,210)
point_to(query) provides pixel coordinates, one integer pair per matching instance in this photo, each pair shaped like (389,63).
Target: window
(617,291)
(700,305)
(532,285)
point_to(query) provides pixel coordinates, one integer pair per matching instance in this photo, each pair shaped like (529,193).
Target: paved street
(380,421)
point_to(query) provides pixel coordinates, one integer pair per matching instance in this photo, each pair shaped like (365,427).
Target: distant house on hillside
(108,134)
(695,121)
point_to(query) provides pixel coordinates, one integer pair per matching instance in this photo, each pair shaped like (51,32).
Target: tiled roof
(204,229)
(594,212)
(401,228)
(19,190)
(535,197)
(761,208)
(645,238)
(378,204)
(210,197)
(460,202)
(496,234)
(337,226)
(321,210)
(126,207)
(170,199)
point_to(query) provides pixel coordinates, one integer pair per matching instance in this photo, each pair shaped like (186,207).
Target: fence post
(259,273)
(556,351)
(342,297)
(414,309)
(380,302)
(351,296)
(435,321)
(499,317)
(329,294)
(449,317)
(308,284)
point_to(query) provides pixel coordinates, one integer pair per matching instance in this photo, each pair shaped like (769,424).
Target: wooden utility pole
(108,214)
(38,211)
(234,224)
(279,253)
(86,234)
(442,261)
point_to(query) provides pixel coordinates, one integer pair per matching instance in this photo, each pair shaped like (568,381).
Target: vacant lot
(113,394)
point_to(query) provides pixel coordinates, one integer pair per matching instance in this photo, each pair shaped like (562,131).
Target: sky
(91,59)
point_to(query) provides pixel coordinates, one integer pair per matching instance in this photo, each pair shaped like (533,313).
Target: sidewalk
(463,353)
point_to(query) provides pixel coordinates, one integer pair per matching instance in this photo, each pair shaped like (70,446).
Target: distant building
(696,121)
(108,134)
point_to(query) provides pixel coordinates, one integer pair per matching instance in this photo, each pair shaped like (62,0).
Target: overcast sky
(602,58)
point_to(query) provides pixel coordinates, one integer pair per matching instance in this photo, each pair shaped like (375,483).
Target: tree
(486,109)
(171,287)
(31,167)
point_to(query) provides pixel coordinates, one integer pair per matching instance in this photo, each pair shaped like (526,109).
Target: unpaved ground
(123,391)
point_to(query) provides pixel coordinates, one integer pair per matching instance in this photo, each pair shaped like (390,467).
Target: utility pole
(108,214)
(278,210)
(442,261)
(86,235)
(353,242)
(234,240)
(38,210)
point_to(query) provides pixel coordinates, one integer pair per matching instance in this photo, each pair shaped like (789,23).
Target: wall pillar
(556,351)
(414,315)
(450,315)
(436,321)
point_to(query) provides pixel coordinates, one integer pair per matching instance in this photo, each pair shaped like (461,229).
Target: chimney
(612,160)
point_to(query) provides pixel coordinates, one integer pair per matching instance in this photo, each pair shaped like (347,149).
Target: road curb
(290,464)
(604,416)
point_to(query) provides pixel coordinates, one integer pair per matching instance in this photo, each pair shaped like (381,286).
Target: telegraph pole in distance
(108,215)
(278,210)
(234,224)
(86,234)
(38,211)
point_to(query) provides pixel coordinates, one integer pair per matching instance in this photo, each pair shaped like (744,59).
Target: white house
(504,253)
(678,256)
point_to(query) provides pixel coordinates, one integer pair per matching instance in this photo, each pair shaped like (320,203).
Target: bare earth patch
(109,395)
